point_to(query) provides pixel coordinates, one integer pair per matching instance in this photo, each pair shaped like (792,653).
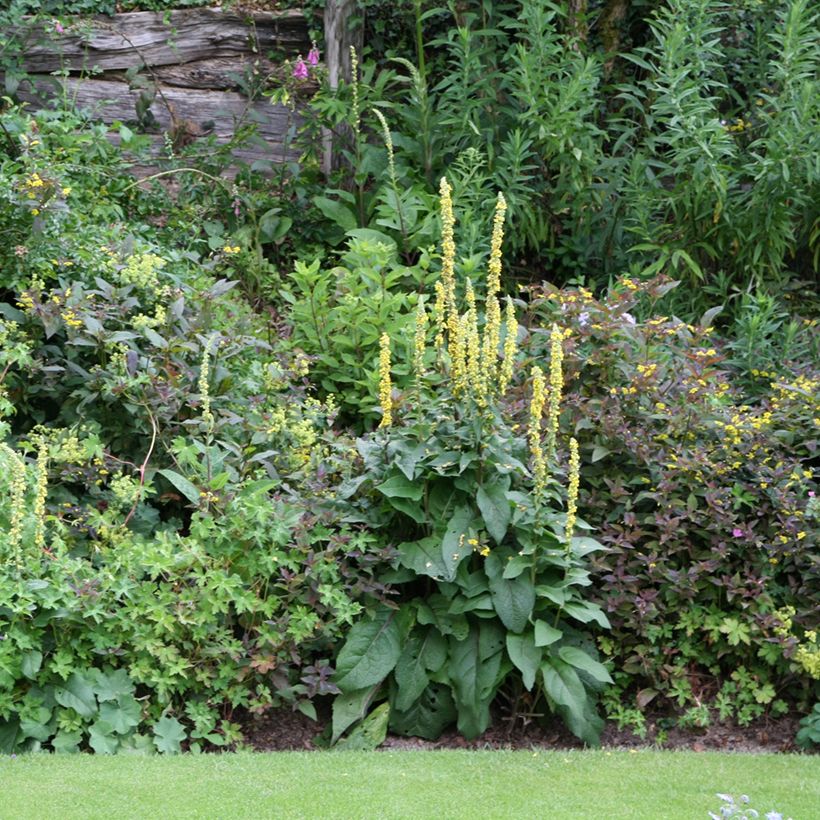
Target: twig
(143,467)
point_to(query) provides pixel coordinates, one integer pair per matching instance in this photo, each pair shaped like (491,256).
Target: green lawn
(457,784)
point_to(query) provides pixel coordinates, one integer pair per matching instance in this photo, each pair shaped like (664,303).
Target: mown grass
(405,784)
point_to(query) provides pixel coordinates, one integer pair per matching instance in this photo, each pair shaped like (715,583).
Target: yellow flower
(420,340)
(534,432)
(556,386)
(385,385)
(448,255)
(494,265)
(572,489)
(474,369)
(40,496)
(510,347)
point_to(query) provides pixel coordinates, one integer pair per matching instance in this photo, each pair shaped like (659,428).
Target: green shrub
(490,576)
(700,495)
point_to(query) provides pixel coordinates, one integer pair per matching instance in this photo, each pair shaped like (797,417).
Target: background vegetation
(282,439)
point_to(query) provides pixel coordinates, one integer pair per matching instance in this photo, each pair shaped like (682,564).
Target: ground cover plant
(513,417)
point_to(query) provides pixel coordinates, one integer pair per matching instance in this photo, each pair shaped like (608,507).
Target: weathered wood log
(160,39)
(188,112)
(339,37)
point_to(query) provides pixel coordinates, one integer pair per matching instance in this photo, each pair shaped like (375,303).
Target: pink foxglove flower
(313,55)
(737,532)
(58,27)
(300,70)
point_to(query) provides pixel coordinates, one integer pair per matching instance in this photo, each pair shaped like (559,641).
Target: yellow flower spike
(40,496)
(494,265)
(556,387)
(510,347)
(420,340)
(474,370)
(17,492)
(440,313)
(534,433)
(572,490)
(204,384)
(448,254)
(354,81)
(490,342)
(458,356)
(385,385)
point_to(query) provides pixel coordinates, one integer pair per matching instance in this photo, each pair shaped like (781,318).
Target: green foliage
(809,734)
(490,587)
(167,565)
(339,313)
(701,494)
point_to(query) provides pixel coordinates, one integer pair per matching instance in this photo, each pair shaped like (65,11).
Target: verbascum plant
(40,496)
(204,386)
(556,387)
(385,383)
(572,490)
(510,347)
(17,503)
(420,340)
(539,462)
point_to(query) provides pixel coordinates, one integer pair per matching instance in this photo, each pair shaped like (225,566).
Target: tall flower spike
(494,265)
(385,385)
(17,491)
(354,79)
(458,356)
(556,387)
(534,433)
(420,340)
(388,144)
(448,252)
(474,369)
(572,490)
(204,386)
(510,348)
(41,495)
(440,313)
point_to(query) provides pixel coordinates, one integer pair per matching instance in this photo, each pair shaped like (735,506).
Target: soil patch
(282,730)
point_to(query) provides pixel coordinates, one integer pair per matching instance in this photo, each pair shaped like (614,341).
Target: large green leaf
(586,612)
(370,733)
(31,663)
(514,598)
(546,634)
(562,684)
(101,738)
(429,716)
(421,654)
(399,486)
(424,557)
(475,666)
(525,655)
(496,509)
(336,212)
(453,548)
(580,660)
(65,742)
(371,651)
(350,707)
(76,693)
(123,715)
(182,484)
(436,611)
(168,735)
(111,684)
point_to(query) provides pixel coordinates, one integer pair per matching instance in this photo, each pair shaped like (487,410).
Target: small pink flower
(236,208)
(811,493)
(300,70)
(313,55)
(737,532)
(58,27)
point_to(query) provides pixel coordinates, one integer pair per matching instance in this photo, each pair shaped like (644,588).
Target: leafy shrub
(489,573)
(165,562)
(700,495)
